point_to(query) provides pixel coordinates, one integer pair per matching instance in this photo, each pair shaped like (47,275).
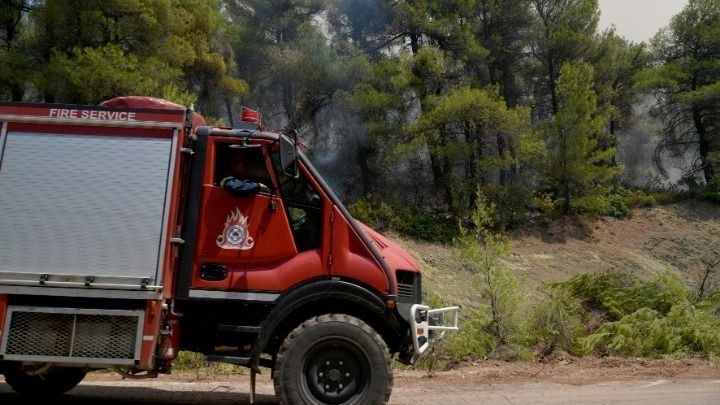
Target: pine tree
(579,169)
(686,82)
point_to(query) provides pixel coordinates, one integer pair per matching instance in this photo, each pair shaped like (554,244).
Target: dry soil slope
(677,237)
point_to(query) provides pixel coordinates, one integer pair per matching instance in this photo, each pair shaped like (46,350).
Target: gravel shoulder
(562,381)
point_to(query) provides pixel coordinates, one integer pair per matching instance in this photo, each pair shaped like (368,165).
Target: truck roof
(131,111)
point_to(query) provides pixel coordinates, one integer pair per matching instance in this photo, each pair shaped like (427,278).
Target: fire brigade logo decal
(235,235)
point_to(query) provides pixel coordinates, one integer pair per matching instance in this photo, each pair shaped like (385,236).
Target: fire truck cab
(121,244)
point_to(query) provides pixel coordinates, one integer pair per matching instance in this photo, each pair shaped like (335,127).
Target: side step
(238,361)
(239,329)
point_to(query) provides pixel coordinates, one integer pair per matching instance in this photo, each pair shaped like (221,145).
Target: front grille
(72,335)
(406,290)
(408,284)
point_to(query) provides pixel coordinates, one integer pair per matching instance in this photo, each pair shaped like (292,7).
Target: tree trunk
(553,90)
(508,86)
(414,43)
(502,147)
(436,164)
(287,98)
(566,195)
(228,107)
(17,92)
(705,147)
(367,174)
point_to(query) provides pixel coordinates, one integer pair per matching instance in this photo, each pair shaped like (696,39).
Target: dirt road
(658,392)
(571,381)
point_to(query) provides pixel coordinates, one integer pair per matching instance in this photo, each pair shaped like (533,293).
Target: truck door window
(246,163)
(303,204)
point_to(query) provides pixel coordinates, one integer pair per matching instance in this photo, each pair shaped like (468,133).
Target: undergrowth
(611,313)
(196,366)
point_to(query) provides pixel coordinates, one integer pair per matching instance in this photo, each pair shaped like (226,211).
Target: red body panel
(150,335)
(352,259)
(272,241)
(277,277)
(272,263)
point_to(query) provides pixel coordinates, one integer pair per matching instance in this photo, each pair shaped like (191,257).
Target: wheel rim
(335,370)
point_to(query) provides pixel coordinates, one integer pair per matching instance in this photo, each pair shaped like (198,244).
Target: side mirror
(288,154)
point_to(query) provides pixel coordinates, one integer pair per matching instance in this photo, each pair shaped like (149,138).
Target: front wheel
(333,359)
(53,381)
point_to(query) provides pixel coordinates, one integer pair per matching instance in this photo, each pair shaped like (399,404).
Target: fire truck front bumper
(428,326)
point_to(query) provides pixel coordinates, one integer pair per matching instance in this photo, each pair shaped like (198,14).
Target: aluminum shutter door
(82,205)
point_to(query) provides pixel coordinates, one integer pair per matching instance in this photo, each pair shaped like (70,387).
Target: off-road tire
(55,381)
(332,337)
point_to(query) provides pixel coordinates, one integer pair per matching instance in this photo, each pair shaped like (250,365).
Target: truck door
(245,244)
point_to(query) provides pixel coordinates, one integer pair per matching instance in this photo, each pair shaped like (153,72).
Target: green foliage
(608,313)
(580,169)
(562,33)
(642,198)
(712,189)
(619,294)
(456,128)
(652,318)
(97,74)
(558,322)
(473,340)
(85,52)
(612,205)
(403,219)
(196,365)
(686,82)
(649,333)
(483,253)
(620,203)
(455,93)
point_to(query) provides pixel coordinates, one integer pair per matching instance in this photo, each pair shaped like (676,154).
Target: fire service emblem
(235,235)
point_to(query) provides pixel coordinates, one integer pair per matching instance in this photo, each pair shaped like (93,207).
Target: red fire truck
(119,247)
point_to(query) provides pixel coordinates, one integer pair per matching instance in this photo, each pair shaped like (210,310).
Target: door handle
(213,272)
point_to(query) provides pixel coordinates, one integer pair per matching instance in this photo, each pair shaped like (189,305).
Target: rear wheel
(53,381)
(333,359)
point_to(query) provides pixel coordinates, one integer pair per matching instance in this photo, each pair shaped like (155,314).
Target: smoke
(637,146)
(335,138)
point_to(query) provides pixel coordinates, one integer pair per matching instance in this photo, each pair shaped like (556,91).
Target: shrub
(651,318)
(406,220)
(712,189)
(594,205)
(646,332)
(648,198)
(620,203)
(376,214)
(197,365)
(620,293)
(615,206)
(558,323)
(472,340)
(501,316)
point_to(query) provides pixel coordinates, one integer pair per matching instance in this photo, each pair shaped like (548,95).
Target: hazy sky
(638,20)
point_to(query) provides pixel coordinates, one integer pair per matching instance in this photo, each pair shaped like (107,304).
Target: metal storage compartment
(83,210)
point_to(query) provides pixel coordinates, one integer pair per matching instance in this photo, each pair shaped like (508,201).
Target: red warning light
(249,115)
